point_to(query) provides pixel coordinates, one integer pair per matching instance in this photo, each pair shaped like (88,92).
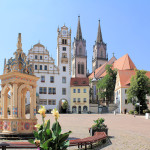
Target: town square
(74,75)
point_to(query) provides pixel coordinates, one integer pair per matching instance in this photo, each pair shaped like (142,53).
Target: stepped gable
(123,63)
(99,71)
(79,82)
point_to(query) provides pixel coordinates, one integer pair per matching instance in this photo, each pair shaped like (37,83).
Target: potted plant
(99,126)
(50,139)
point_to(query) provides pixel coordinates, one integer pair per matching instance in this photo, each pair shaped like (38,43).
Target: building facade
(79,95)
(54,84)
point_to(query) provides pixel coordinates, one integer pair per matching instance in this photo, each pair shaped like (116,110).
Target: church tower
(79,59)
(99,51)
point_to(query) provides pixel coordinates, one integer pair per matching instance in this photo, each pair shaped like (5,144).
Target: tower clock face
(64,32)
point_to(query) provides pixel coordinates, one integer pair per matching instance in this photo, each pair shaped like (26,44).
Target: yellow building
(79,95)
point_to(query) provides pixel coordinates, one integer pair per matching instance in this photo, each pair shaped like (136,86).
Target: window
(64,48)
(74,90)
(64,68)
(78,90)
(78,99)
(43,101)
(82,69)
(36,57)
(80,50)
(63,91)
(45,67)
(51,90)
(84,100)
(35,67)
(78,68)
(64,41)
(43,90)
(84,90)
(126,102)
(51,79)
(74,99)
(42,78)
(63,79)
(40,57)
(51,102)
(40,67)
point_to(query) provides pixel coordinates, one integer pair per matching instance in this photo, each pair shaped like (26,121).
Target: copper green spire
(79,33)
(99,34)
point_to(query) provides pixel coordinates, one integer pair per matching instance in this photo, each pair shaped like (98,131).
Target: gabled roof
(125,76)
(99,71)
(79,82)
(123,63)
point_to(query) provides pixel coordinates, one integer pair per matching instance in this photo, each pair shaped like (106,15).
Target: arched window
(82,68)
(101,53)
(79,68)
(80,50)
(85,109)
(74,109)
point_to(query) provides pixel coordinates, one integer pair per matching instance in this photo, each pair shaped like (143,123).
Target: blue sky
(125,26)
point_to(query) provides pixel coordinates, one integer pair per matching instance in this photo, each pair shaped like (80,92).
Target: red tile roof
(125,76)
(123,63)
(79,82)
(99,71)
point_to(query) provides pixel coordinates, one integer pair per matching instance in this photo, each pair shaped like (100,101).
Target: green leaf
(45,144)
(36,135)
(48,125)
(63,137)
(48,131)
(31,141)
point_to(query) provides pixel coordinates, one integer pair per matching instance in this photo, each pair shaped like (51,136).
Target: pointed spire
(99,34)
(79,33)
(19,44)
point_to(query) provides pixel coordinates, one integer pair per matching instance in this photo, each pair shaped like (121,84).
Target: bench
(98,136)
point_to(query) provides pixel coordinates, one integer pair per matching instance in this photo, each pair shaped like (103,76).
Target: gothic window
(82,68)
(80,50)
(78,68)
(101,53)
(64,41)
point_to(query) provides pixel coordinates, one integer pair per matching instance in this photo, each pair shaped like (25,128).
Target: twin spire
(79,32)
(99,34)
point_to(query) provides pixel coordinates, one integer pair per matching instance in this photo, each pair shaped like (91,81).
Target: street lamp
(139,106)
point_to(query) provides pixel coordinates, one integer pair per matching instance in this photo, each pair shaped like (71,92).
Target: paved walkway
(127,132)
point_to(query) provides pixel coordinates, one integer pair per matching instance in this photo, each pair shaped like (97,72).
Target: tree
(106,85)
(65,105)
(138,89)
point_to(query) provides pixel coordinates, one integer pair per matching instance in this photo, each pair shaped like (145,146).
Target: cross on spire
(99,34)
(79,33)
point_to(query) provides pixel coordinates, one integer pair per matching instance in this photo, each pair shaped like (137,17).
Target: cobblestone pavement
(126,131)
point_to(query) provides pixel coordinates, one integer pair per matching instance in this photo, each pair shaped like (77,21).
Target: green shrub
(99,124)
(146,111)
(131,112)
(135,112)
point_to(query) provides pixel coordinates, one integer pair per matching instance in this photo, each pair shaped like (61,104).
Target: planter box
(147,115)
(98,130)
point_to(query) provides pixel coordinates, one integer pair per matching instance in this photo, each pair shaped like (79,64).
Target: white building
(54,83)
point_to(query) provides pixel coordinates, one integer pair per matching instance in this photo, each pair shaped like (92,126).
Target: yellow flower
(55,113)
(37,143)
(37,126)
(46,122)
(42,111)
